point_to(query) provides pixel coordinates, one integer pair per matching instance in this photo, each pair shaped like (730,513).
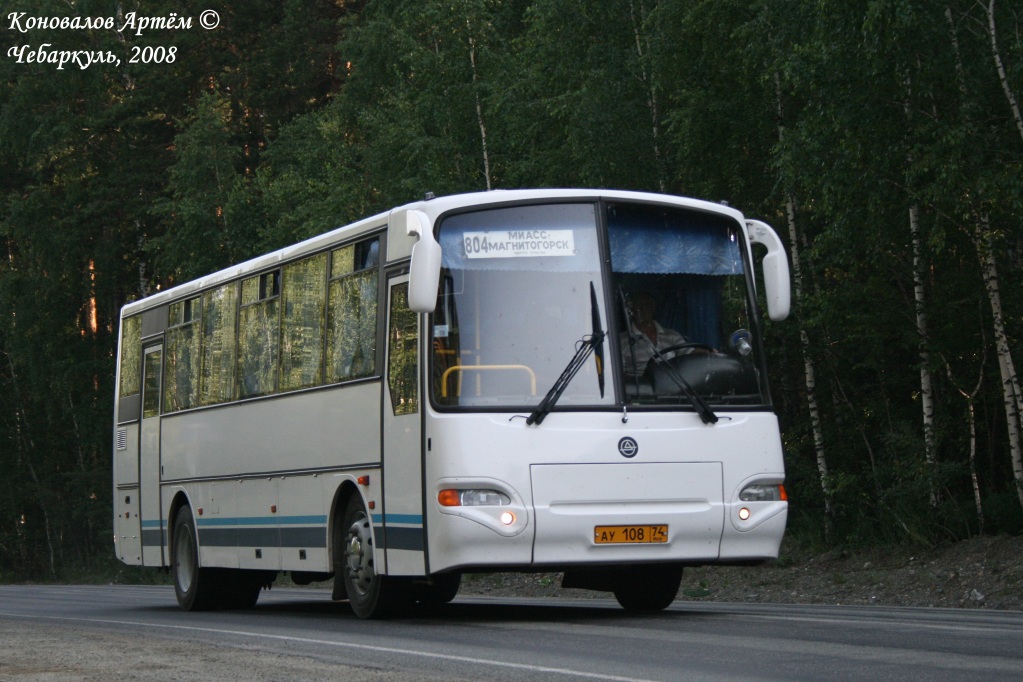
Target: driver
(645,334)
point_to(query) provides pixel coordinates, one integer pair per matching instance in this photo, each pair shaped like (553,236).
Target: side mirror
(776,270)
(424,271)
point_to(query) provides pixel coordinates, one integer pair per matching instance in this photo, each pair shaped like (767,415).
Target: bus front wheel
(194,586)
(648,588)
(370,594)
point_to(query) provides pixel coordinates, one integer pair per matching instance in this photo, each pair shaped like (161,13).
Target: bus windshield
(514,306)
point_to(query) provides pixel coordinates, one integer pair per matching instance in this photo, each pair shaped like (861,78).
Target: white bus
(458,385)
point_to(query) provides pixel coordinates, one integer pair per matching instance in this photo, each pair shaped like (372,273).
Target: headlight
(763,493)
(472,498)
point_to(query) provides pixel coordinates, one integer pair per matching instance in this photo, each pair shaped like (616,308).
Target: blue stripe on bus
(262,521)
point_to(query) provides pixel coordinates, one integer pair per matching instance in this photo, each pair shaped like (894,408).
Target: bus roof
(401,248)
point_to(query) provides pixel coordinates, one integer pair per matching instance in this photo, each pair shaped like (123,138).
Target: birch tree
(809,372)
(983,240)
(1010,380)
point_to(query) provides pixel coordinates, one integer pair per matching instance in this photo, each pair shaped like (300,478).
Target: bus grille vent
(122,439)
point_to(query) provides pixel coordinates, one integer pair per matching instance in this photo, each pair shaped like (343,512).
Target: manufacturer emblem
(628,447)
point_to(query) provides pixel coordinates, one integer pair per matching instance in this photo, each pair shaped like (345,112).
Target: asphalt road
(106,632)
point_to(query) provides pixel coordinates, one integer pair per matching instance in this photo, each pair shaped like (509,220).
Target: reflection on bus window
(131,329)
(219,339)
(403,350)
(258,338)
(181,384)
(302,332)
(352,315)
(151,388)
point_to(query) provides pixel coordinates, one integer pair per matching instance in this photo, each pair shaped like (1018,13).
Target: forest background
(883,138)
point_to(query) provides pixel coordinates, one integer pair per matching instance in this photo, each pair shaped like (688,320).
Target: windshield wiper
(702,408)
(593,344)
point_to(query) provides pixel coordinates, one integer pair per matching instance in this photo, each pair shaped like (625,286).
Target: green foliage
(293,118)
(207,168)
(1002,513)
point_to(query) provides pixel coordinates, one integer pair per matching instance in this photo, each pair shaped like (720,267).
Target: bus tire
(441,589)
(370,594)
(197,588)
(648,588)
(240,588)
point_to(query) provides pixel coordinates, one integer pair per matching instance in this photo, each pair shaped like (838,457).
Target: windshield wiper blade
(595,342)
(702,408)
(597,338)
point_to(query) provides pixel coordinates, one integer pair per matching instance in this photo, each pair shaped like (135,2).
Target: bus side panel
(304,511)
(127,532)
(256,470)
(286,434)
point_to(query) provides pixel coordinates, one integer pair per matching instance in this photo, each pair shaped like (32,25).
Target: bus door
(149,456)
(399,525)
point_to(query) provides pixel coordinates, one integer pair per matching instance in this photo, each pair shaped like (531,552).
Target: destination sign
(519,243)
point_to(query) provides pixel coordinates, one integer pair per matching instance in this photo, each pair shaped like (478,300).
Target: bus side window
(258,335)
(303,297)
(181,383)
(352,312)
(151,394)
(219,339)
(403,353)
(131,362)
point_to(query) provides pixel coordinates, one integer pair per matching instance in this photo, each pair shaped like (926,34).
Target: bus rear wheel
(648,588)
(195,587)
(370,594)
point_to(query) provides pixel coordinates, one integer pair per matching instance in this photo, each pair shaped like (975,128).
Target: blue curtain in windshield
(685,256)
(659,249)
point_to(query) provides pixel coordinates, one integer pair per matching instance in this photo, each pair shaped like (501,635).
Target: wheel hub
(358,555)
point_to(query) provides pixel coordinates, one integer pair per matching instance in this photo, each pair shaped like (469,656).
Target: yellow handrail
(484,368)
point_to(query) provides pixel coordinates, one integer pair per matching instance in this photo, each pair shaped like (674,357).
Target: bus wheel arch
(180,500)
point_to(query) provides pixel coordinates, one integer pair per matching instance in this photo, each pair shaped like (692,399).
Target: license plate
(611,535)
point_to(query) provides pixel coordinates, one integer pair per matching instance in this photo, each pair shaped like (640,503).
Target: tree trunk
(651,99)
(808,367)
(809,372)
(971,413)
(479,105)
(1002,78)
(926,384)
(983,242)
(1011,396)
